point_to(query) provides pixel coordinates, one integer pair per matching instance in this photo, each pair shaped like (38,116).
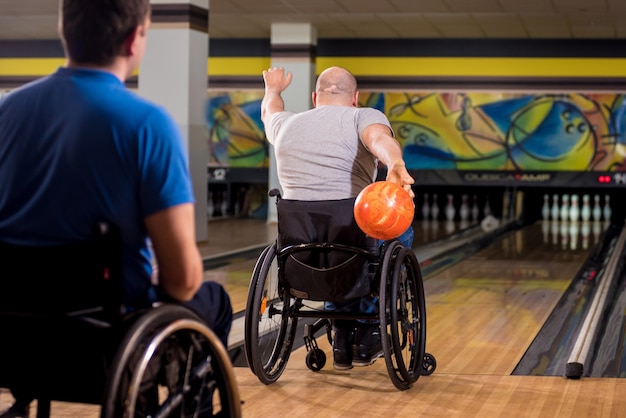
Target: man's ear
(129,43)
(355,99)
(314,98)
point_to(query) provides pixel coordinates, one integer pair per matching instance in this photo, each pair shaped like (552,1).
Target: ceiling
(497,19)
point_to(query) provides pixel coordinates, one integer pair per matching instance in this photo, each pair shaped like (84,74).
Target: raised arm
(377,138)
(276,81)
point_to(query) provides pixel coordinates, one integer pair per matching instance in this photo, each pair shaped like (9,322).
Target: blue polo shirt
(77,147)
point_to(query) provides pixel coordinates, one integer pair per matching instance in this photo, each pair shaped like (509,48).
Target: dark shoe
(367,347)
(342,344)
(15,412)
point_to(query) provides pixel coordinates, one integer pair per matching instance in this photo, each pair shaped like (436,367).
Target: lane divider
(575,367)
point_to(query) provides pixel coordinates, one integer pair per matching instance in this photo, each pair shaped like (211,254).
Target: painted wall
(458,130)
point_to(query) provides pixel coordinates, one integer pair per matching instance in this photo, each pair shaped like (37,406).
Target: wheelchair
(66,337)
(321,255)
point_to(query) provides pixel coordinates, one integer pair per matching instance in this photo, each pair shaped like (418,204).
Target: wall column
(293,46)
(174,74)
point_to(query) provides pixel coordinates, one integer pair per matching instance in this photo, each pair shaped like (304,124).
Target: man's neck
(117,68)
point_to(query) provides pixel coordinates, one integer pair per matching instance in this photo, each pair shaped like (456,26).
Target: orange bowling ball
(384,210)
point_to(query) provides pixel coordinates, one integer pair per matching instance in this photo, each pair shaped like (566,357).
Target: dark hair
(93,31)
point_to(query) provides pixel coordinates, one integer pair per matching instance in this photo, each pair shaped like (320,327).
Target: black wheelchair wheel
(430,364)
(315,359)
(170,365)
(270,327)
(407,316)
(251,296)
(390,251)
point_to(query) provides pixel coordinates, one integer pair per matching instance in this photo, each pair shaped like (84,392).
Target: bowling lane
(484,312)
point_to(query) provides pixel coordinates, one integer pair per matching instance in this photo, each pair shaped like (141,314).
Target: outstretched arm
(276,81)
(377,138)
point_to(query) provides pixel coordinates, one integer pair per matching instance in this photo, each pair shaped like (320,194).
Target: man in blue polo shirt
(77,147)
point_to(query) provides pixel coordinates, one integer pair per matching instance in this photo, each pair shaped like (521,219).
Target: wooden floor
(482,313)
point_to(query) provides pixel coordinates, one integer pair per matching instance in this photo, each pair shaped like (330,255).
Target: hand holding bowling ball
(384,210)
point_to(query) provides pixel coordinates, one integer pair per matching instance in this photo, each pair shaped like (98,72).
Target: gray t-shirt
(319,153)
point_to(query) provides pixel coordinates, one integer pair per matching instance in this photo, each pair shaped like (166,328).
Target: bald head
(335,86)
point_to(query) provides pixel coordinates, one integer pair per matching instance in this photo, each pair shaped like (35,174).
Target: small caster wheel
(315,359)
(429,365)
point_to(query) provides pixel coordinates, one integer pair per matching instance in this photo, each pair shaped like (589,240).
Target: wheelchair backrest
(57,309)
(322,253)
(84,276)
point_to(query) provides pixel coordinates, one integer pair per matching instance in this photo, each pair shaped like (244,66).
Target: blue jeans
(369,304)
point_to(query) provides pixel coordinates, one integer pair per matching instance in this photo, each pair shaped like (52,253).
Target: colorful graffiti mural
(458,130)
(510,131)
(236,133)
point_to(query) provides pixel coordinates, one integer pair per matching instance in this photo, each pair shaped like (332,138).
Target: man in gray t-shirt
(332,152)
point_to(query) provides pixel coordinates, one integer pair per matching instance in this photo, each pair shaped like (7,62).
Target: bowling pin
(596,228)
(585,210)
(545,210)
(425,229)
(475,209)
(464,210)
(450,208)
(434,227)
(564,234)
(434,211)
(555,207)
(425,208)
(573,235)
(584,233)
(487,208)
(449,226)
(596,213)
(554,230)
(565,207)
(574,210)
(606,210)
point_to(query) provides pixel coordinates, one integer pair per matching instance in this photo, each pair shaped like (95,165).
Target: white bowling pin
(585,210)
(573,235)
(425,229)
(464,210)
(450,208)
(584,233)
(545,210)
(487,208)
(554,230)
(606,210)
(574,210)
(434,211)
(565,207)
(449,226)
(564,234)
(475,209)
(596,213)
(425,208)
(555,207)
(596,228)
